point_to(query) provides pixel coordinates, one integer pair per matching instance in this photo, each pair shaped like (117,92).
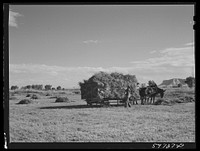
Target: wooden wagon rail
(104,101)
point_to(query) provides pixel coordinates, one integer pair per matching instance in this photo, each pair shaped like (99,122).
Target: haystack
(34,96)
(25,101)
(48,94)
(28,95)
(104,85)
(62,99)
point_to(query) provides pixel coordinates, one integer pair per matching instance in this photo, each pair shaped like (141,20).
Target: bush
(62,99)
(190,81)
(25,101)
(14,87)
(47,87)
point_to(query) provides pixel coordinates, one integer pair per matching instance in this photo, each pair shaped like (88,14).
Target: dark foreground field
(74,121)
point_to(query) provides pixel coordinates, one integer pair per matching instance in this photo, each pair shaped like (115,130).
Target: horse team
(147,94)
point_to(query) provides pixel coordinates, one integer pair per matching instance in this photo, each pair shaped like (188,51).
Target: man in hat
(127,96)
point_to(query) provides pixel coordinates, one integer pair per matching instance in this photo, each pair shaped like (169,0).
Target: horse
(151,93)
(147,93)
(143,95)
(133,100)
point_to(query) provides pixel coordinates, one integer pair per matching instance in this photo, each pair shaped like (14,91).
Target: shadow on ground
(78,106)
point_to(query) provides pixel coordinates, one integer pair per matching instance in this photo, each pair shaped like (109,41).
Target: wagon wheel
(101,103)
(89,102)
(106,102)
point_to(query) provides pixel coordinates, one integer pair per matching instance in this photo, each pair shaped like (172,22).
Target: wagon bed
(104,101)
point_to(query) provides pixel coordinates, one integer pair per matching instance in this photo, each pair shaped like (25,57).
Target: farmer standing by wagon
(127,96)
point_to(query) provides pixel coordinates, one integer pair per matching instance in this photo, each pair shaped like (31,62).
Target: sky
(63,45)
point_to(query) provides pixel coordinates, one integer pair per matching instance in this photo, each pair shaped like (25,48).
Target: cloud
(91,41)
(154,51)
(169,63)
(56,75)
(177,57)
(12,18)
(172,62)
(189,44)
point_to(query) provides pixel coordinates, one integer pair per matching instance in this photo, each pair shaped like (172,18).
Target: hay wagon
(102,88)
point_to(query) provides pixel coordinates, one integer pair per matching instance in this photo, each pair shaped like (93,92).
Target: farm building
(173,83)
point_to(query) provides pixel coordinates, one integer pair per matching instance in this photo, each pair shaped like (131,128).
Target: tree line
(37,87)
(190,81)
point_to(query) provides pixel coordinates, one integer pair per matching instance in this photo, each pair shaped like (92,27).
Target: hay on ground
(28,95)
(48,94)
(62,99)
(189,99)
(34,96)
(176,100)
(12,98)
(161,101)
(25,101)
(184,99)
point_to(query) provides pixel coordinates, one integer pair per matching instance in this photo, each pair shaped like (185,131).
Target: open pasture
(43,120)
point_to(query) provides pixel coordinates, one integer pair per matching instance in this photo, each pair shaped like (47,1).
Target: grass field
(74,121)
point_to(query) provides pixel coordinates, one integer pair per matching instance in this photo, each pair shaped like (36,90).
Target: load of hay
(62,99)
(104,85)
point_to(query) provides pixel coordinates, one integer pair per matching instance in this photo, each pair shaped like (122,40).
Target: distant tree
(190,81)
(14,87)
(28,86)
(23,87)
(40,87)
(53,88)
(33,86)
(63,88)
(59,88)
(37,86)
(47,87)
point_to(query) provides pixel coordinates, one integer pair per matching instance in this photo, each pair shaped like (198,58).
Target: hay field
(74,121)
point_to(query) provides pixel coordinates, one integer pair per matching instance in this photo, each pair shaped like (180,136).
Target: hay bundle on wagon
(104,86)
